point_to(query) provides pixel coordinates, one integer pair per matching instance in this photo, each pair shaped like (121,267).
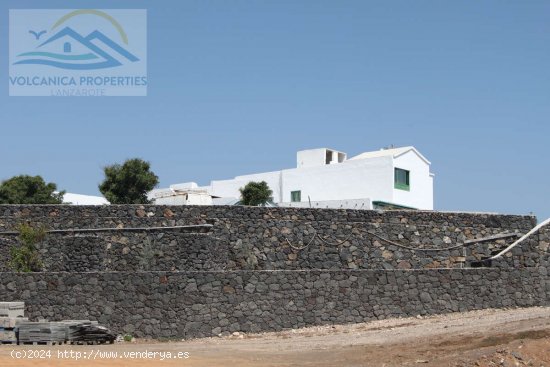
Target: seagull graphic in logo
(37,35)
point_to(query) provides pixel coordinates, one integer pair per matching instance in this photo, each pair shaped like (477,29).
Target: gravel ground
(516,337)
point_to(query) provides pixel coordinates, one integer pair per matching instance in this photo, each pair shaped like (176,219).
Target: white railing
(523,238)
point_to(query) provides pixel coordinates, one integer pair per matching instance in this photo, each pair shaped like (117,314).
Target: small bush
(25,257)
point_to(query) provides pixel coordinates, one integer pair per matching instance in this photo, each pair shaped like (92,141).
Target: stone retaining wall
(267,269)
(198,304)
(257,238)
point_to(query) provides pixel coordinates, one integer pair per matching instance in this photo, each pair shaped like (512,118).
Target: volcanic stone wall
(267,269)
(244,238)
(197,304)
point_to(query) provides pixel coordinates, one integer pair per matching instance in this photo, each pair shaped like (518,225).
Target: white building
(78,199)
(181,194)
(397,177)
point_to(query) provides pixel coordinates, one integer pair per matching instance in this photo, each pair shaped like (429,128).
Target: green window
(402,179)
(295,196)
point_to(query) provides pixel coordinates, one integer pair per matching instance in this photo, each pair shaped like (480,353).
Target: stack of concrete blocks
(42,332)
(87,332)
(72,326)
(12,309)
(11,315)
(46,332)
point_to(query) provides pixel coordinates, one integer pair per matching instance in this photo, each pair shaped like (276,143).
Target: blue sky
(238,87)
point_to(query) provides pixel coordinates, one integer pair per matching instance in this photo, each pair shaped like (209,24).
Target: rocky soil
(515,337)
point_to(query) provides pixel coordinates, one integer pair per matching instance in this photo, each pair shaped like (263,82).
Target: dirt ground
(518,337)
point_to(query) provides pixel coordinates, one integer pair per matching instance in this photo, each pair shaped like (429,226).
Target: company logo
(67,49)
(82,52)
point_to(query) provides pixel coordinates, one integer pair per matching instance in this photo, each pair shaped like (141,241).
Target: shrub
(255,193)
(26,189)
(128,183)
(24,256)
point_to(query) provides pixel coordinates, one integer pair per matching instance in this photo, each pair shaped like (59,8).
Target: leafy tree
(128,183)
(25,257)
(255,193)
(26,189)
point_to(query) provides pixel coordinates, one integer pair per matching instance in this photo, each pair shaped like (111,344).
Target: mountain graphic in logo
(67,49)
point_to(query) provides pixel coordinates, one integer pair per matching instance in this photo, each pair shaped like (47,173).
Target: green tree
(255,193)
(25,257)
(26,189)
(128,183)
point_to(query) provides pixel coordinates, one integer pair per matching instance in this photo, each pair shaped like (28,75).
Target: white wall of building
(184,198)
(421,182)
(78,199)
(318,157)
(186,193)
(362,179)
(230,188)
(359,204)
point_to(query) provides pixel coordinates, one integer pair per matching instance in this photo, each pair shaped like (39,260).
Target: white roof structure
(78,199)
(394,152)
